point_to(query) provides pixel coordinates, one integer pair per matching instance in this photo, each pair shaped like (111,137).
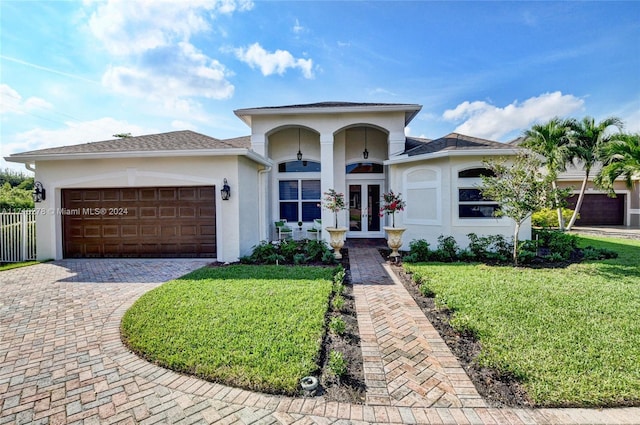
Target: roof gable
(452,142)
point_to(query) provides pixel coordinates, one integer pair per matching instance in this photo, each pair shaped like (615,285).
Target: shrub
(289,252)
(418,251)
(426,291)
(339,274)
(447,249)
(591,253)
(562,244)
(337,326)
(338,302)
(527,251)
(548,217)
(328,257)
(337,364)
(489,248)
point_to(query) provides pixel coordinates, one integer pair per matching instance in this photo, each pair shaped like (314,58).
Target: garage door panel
(599,210)
(140,222)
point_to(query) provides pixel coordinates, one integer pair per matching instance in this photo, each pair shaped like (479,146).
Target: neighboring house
(598,208)
(160,195)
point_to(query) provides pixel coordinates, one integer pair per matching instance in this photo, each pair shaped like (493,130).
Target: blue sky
(74,72)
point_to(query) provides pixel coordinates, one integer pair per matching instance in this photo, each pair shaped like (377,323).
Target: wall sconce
(39,194)
(299,154)
(225,192)
(365,153)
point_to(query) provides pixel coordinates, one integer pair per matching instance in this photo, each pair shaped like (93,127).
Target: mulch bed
(351,387)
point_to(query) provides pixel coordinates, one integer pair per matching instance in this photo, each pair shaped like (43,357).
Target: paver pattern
(406,363)
(62,361)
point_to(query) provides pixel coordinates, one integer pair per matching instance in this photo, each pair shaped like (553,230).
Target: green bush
(337,326)
(562,244)
(527,252)
(338,302)
(489,248)
(418,251)
(548,217)
(447,249)
(426,291)
(591,253)
(289,252)
(337,364)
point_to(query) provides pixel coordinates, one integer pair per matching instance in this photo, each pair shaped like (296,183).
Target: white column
(396,143)
(259,143)
(326,177)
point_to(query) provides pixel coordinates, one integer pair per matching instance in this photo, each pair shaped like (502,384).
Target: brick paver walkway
(62,361)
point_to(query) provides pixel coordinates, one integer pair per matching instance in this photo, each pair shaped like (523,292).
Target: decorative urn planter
(337,239)
(394,239)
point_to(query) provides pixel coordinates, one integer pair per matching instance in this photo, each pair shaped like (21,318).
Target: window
(299,167)
(365,168)
(299,200)
(471,202)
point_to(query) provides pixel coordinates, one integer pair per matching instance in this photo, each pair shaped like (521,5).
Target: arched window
(365,168)
(299,167)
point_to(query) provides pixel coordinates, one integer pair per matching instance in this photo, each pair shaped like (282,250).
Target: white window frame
(434,184)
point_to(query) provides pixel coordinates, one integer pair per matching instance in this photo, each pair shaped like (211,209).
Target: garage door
(599,210)
(139,222)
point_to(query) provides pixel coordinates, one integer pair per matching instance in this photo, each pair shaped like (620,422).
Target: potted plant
(392,203)
(334,202)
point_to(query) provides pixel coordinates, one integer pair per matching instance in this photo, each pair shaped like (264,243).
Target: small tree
(520,189)
(391,204)
(334,202)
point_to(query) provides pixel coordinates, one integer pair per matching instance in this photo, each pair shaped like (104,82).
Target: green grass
(254,327)
(571,336)
(9,266)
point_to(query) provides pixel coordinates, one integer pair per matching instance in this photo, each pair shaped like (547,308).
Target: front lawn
(9,266)
(254,327)
(571,336)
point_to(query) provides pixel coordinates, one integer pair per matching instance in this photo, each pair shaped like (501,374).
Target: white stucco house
(160,195)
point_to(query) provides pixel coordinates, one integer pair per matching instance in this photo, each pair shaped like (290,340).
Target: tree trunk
(515,244)
(554,186)
(583,188)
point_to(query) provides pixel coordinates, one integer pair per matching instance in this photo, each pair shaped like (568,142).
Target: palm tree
(552,142)
(587,142)
(621,157)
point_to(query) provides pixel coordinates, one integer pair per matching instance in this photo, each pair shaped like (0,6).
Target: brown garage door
(139,222)
(599,210)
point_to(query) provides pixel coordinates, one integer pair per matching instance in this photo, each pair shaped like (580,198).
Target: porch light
(365,153)
(225,192)
(299,154)
(39,194)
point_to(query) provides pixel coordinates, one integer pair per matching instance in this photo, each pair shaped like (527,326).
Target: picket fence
(17,236)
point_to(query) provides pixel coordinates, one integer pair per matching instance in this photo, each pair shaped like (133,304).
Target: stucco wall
(431,191)
(176,171)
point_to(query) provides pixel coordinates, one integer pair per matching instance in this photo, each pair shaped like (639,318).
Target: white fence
(17,236)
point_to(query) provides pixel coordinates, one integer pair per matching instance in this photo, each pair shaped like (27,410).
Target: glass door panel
(373,208)
(355,207)
(364,218)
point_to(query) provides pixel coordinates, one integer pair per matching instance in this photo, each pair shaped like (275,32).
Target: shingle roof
(451,142)
(175,140)
(331,105)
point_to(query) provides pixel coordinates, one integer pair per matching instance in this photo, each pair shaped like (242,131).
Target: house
(160,195)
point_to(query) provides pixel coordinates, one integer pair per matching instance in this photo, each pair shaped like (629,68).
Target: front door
(364,210)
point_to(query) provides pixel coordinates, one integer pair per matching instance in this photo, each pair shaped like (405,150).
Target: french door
(364,210)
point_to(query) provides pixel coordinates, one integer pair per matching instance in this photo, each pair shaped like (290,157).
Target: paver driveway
(61,360)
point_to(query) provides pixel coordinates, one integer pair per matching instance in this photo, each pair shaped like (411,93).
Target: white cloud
(273,63)
(170,74)
(128,27)
(11,102)
(481,119)
(154,58)
(297,28)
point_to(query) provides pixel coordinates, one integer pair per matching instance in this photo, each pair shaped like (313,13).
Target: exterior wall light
(365,153)
(39,194)
(225,192)
(299,154)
